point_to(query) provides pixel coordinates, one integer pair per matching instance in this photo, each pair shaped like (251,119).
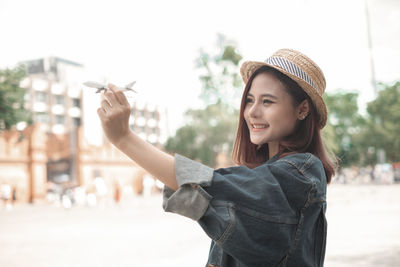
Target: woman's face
(269,112)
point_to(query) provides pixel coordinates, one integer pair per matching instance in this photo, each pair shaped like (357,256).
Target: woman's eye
(248,100)
(266,101)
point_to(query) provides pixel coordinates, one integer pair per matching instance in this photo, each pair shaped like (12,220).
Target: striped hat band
(292,69)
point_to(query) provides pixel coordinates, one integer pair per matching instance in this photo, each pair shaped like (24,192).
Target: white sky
(156,42)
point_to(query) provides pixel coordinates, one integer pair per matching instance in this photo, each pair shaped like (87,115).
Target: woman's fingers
(111,98)
(112,113)
(105,105)
(114,116)
(102,113)
(119,95)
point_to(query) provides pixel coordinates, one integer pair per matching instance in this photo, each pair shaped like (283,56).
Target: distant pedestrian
(14,194)
(101,190)
(117,193)
(5,193)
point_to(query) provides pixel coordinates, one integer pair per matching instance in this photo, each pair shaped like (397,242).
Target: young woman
(270,209)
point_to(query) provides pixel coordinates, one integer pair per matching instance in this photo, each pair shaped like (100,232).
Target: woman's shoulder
(299,160)
(307,164)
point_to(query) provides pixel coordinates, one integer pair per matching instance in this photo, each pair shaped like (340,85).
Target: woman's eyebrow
(267,95)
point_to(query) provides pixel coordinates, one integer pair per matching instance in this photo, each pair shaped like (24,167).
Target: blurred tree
(12,99)
(212,130)
(207,132)
(383,126)
(344,126)
(219,73)
(330,140)
(184,142)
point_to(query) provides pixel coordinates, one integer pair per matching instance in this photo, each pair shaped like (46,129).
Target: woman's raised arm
(114,115)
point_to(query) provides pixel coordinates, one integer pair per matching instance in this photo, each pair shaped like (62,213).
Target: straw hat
(300,69)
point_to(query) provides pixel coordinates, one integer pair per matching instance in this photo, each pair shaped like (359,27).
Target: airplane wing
(130,85)
(95,85)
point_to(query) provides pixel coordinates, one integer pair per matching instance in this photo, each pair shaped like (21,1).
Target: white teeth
(258,126)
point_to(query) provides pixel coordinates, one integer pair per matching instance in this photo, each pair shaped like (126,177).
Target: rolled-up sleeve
(253,214)
(190,200)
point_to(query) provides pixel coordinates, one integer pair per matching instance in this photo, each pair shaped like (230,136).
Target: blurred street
(363,230)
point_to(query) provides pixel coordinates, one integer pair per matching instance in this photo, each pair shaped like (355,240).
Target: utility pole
(371,57)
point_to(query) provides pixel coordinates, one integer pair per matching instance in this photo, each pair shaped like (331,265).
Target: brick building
(56,99)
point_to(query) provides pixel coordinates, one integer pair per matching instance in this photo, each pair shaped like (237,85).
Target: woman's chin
(257,142)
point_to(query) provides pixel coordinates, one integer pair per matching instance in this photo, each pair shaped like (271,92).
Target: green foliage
(346,124)
(384,122)
(184,142)
(207,132)
(219,73)
(212,130)
(356,139)
(12,100)
(329,137)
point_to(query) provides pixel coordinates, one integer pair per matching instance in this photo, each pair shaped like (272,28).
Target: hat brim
(249,67)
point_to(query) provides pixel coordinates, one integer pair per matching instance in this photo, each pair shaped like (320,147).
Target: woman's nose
(254,110)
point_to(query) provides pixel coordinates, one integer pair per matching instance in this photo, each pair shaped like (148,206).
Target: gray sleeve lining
(189,200)
(188,171)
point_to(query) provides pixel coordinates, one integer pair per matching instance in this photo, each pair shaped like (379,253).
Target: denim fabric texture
(272,215)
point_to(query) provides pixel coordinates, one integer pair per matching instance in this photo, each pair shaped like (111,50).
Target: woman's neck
(273,148)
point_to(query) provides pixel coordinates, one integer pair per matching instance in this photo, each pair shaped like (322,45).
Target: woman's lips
(258,127)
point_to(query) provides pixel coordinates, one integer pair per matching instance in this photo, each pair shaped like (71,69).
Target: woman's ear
(303,109)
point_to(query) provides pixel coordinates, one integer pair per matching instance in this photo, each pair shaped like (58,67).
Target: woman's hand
(114,115)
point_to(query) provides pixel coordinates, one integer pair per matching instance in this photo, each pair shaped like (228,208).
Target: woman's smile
(257,127)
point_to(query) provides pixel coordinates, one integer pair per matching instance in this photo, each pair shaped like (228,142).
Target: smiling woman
(270,210)
(269,111)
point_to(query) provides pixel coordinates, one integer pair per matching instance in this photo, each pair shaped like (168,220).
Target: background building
(55,97)
(145,120)
(53,93)
(56,148)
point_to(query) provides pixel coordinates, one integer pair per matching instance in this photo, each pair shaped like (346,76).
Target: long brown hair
(306,137)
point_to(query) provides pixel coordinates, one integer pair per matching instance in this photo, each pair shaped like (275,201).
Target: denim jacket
(272,215)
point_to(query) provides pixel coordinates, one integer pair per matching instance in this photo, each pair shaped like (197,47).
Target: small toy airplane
(100,87)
